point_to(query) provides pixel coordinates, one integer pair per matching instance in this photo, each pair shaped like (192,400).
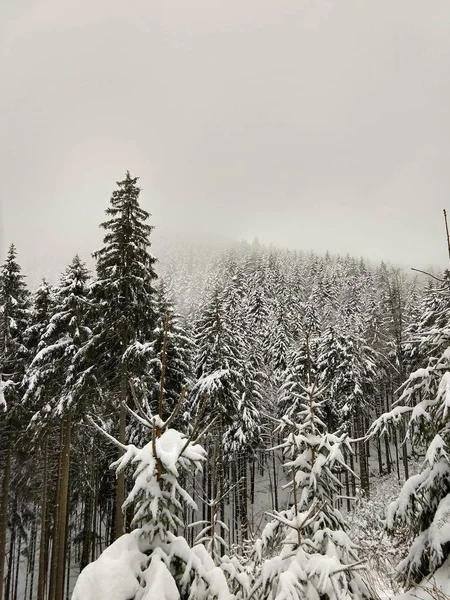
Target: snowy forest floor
(365,523)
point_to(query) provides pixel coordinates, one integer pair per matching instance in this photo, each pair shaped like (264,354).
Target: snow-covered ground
(366,528)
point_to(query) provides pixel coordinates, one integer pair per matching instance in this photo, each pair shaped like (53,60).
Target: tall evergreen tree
(305,551)
(171,347)
(124,297)
(60,392)
(423,505)
(41,313)
(154,561)
(14,315)
(348,365)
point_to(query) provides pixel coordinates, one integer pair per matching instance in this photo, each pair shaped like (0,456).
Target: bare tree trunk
(352,477)
(234,499)
(16,576)
(380,457)
(88,514)
(347,482)
(12,546)
(69,558)
(43,551)
(212,497)
(397,459)
(4,511)
(96,515)
(404,451)
(378,411)
(205,515)
(56,519)
(243,498)
(252,481)
(363,470)
(32,557)
(63,509)
(120,488)
(275,483)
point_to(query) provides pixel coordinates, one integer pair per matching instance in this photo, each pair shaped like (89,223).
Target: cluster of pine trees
(277,362)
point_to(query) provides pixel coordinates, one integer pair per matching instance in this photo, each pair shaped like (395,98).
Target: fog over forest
(224,300)
(313,125)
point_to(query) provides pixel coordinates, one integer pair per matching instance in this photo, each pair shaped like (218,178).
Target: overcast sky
(308,123)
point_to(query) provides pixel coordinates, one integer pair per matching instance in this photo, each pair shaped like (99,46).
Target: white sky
(308,123)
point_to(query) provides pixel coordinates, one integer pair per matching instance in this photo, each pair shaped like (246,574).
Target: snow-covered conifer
(423,505)
(305,552)
(14,317)
(171,336)
(123,294)
(52,377)
(60,392)
(154,561)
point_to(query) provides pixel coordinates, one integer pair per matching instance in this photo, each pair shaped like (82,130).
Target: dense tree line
(255,348)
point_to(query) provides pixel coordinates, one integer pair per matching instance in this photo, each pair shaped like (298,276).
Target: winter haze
(310,124)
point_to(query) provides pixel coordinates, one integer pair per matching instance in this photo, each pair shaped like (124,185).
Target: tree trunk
(56,519)
(275,482)
(4,512)
(43,551)
(120,488)
(12,545)
(16,576)
(243,495)
(363,468)
(63,509)
(347,482)
(404,451)
(88,514)
(33,554)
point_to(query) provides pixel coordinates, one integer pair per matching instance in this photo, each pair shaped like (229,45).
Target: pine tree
(62,394)
(218,360)
(52,376)
(301,367)
(348,365)
(14,315)
(41,312)
(424,502)
(179,350)
(317,560)
(124,297)
(39,457)
(171,337)
(153,561)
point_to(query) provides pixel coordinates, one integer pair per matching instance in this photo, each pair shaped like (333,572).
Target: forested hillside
(251,401)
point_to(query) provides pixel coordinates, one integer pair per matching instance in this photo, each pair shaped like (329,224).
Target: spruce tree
(14,315)
(170,337)
(40,315)
(153,561)
(348,365)
(305,553)
(217,365)
(61,394)
(423,505)
(124,298)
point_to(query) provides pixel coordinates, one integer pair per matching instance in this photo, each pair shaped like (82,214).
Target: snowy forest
(245,422)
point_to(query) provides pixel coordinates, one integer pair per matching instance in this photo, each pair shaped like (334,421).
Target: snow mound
(114,575)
